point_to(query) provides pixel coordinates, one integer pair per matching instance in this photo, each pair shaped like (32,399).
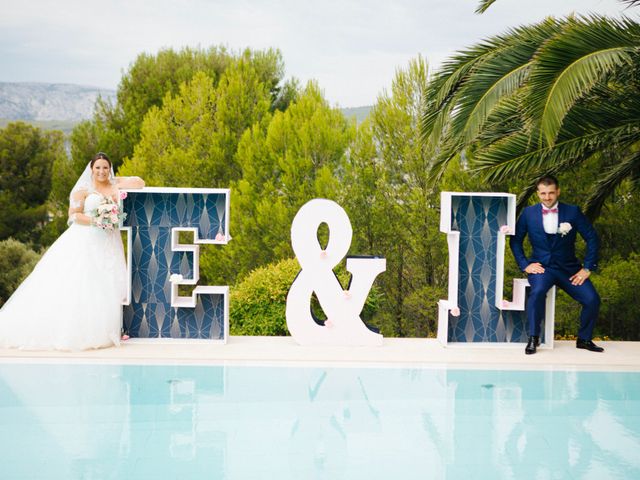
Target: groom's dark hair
(548,180)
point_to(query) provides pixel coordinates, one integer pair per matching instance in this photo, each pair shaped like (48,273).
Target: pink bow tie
(550,210)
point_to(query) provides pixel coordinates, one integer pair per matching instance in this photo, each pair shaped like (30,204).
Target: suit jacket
(555,251)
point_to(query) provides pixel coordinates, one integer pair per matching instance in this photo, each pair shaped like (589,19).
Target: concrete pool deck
(418,352)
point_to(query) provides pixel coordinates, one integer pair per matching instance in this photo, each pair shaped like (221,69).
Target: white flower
(175,277)
(564,228)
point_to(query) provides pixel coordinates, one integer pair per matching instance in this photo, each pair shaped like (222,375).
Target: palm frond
(480,108)
(484,5)
(503,53)
(446,83)
(607,105)
(523,197)
(442,157)
(464,93)
(505,119)
(514,156)
(541,99)
(569,65)
(605,187)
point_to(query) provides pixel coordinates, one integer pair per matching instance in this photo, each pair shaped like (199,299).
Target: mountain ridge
(62,105)
(43,102)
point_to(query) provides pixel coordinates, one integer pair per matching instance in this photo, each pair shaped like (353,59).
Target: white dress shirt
(550,220)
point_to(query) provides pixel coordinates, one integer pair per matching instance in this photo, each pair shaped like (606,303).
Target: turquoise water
(62,422)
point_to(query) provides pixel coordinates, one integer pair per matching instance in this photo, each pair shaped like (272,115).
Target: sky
(351,47)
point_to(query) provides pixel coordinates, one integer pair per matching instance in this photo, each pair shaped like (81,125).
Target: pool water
(62,422)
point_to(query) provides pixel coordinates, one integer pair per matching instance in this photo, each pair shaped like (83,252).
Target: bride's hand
(129,182)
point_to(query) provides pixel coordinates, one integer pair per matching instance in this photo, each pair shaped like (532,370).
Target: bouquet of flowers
(107,215)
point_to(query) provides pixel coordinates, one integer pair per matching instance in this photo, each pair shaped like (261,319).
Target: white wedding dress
(73,298)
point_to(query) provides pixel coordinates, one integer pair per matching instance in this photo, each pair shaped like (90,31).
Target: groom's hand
(580,277)
(534,268)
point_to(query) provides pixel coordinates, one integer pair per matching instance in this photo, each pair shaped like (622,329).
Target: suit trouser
(585,294)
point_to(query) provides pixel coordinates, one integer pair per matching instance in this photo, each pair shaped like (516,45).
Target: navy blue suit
(557,254)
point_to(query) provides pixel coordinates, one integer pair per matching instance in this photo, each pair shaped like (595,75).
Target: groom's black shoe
(532,344)
(588,345)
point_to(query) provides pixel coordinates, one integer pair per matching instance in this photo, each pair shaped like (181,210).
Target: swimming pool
(97,421)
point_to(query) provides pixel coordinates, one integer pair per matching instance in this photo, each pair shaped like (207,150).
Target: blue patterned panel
(206,211)
(478,219)
(152,215)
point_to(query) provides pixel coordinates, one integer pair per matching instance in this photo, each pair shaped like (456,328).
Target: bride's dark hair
(100,156)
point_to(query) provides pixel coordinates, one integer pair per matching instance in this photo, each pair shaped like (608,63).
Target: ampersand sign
(342,307)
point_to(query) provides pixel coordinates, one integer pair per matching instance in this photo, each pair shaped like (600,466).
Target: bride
(73,298)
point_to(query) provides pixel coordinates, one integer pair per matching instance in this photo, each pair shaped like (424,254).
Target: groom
(552,229)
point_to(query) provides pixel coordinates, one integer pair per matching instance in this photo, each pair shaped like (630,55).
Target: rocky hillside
(49,101)
(62,105)
(360,113)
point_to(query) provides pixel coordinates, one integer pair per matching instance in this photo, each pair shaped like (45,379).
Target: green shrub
(420,312)
(16,262)
(258,302)
(616,283)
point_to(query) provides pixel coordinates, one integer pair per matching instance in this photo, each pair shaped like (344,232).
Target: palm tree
(544,98)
